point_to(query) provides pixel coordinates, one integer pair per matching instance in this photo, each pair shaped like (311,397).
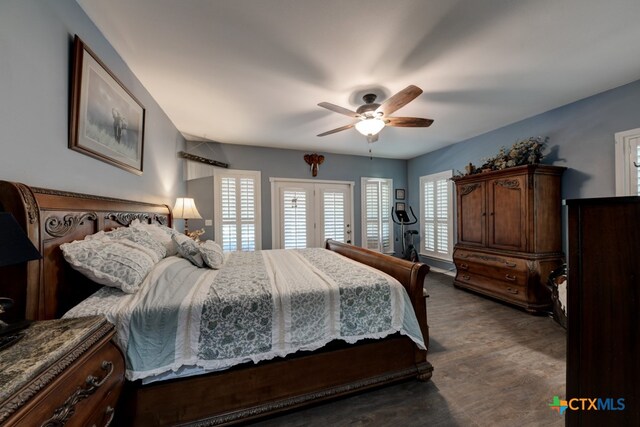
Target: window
(627,157)
(237,210)
(377,229)
(436,220)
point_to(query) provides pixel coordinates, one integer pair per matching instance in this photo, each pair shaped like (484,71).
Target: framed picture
(106,120)
(400,193)
(400,206)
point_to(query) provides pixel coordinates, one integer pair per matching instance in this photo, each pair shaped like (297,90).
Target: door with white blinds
(305,214)
(237,210)
(436,220)
(377,230)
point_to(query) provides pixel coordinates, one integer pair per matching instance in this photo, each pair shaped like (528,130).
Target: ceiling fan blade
(329,132)
(408,122)
(399,100)
(338,109)
(372,138)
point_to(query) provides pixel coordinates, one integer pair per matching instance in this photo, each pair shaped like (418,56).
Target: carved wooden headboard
(46,288)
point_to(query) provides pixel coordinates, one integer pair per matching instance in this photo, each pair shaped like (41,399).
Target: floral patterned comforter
(258,306)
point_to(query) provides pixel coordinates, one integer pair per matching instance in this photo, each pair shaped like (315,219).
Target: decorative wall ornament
(200,159)
(314,161)
(58,227)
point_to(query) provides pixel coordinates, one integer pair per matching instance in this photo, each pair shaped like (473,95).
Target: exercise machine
(401,217)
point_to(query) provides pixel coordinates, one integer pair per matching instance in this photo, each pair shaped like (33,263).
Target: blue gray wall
(581,138)
(35,71)
(281,163)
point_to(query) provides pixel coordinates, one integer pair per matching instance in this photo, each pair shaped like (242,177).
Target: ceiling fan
(373,117)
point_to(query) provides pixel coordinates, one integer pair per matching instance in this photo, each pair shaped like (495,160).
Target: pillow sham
(121,264)
(160,233)
(139,236)
(188,249)
(212,254)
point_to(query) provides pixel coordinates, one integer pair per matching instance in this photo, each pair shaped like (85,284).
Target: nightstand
(64,371)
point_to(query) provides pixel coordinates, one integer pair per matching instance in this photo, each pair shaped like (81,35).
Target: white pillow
(212,254)
(122,264)
(141,237)
(188,249)
(159,232)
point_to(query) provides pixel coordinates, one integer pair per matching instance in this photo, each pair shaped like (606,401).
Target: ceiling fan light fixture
(370,126)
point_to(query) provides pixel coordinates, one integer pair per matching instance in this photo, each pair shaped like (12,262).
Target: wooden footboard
(44,289)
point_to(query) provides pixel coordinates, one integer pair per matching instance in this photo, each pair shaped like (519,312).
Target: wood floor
(494,365)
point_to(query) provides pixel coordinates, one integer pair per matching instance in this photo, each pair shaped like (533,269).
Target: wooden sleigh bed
(47,288)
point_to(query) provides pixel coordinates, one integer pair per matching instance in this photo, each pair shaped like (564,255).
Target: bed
(48,288)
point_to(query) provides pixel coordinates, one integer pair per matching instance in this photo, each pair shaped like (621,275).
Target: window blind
(436,220)
(237,215)
(376,207)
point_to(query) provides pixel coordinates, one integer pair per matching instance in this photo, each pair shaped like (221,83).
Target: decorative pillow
(120,264)
(160,233)
(188,249)
(212,254)
(139,236)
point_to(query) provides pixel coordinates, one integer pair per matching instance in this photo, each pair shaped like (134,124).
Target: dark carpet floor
(494,365)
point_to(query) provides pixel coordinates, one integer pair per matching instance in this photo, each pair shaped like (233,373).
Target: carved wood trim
(85,196)
(299,400)
(468,188)
(57,227)
(126,218)
(160,219)
(29,202)
(16,401)
(508,183)
(64,413)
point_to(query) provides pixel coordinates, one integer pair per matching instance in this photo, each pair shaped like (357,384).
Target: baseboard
(451,273)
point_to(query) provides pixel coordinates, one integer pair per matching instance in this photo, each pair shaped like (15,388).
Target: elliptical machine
(401,218)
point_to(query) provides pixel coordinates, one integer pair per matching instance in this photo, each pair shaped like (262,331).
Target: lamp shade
(185,208)
(15,246)
(370,126)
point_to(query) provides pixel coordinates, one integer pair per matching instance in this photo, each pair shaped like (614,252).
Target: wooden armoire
(509,233)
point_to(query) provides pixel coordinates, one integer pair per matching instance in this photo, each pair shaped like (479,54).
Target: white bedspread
(258,306)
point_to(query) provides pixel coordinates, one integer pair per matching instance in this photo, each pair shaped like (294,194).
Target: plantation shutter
(429,228)
(295,219)
(376,213)
(333,203)
(237,210)
(436,220)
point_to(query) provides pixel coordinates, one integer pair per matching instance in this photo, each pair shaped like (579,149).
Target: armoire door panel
(507,213)
(471,214)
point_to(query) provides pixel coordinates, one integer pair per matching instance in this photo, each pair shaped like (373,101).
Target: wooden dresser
(603,320)
(509,233)
(62,372)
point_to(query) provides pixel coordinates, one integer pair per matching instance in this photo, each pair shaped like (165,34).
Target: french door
(306,213)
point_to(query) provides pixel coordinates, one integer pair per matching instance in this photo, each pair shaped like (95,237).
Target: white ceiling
(252,71)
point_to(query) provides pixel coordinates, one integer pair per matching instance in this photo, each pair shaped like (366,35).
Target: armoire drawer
(465,257)
(492,286)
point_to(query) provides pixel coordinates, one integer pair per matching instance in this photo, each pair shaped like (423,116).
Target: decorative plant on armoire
(524,152)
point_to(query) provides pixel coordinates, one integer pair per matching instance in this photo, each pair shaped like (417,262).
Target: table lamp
(15,248)
(185,208)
